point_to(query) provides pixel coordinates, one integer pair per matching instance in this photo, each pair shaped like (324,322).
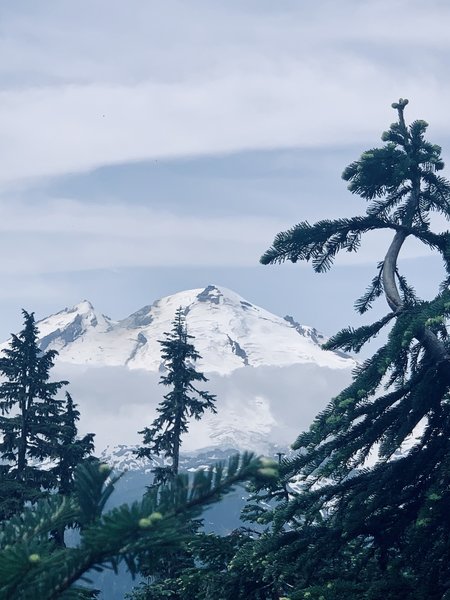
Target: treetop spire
(400,105)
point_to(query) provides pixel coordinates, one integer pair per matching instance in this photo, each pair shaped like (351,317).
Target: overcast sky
(152,146)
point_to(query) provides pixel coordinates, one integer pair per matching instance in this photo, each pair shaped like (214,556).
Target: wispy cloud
(67,235)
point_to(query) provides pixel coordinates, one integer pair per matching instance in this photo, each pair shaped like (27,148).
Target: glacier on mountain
(229,333)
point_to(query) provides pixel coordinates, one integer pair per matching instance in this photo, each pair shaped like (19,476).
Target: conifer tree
(349,514)
(29,421)
(69,449)
(182,402)
(36,426)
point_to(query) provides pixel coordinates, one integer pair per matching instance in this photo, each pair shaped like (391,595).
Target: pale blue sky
(148,147)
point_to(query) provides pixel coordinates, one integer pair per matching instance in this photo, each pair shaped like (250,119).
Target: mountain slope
(229,333)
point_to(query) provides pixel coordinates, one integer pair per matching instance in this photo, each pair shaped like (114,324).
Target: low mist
(256,407)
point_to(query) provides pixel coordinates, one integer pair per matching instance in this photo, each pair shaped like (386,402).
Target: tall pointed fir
(29,421)
(183,402)
(39,447)
(392,511)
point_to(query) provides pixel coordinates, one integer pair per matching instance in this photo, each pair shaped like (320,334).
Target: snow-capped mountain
(228,331)
(269,374)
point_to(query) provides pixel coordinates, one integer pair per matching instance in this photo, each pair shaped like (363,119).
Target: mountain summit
(229,333)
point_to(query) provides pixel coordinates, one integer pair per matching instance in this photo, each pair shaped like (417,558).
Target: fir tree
(37,426)
(69,449)
(29,420)
(369,523)
(182,402)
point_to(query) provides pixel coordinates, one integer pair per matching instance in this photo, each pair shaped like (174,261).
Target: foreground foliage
(379,530)
(33,567)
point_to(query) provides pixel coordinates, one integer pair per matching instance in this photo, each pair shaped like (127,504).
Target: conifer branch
(31,568)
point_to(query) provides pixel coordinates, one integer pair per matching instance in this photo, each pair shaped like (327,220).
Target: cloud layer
(111,83)
(262,404)
(68,235)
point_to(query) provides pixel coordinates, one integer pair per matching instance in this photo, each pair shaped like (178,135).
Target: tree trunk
(176,445)
(389,267)
(22,444)
(430,342)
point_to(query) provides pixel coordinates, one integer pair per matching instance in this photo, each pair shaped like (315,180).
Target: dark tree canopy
(30,416)
(69,449)
(39,445)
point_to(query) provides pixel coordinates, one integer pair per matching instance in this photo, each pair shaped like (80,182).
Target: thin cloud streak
(67,235)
